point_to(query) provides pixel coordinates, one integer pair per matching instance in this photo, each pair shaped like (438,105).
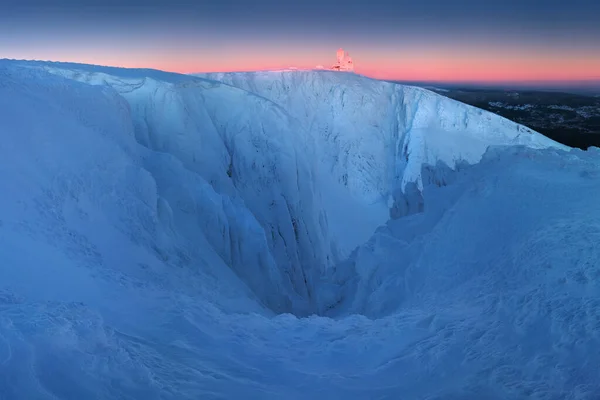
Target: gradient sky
(421,40)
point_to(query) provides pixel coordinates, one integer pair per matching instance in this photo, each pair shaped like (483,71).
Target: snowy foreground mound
(165,236)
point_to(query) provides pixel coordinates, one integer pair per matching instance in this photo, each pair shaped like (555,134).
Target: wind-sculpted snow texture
(158,232)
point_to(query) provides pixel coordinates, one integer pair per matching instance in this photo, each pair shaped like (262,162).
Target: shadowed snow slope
(157,231)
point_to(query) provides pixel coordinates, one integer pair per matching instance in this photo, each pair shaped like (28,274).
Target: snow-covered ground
(166,237)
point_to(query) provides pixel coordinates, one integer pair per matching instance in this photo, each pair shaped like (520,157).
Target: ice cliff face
(374,140)
(231,168)
(376,136)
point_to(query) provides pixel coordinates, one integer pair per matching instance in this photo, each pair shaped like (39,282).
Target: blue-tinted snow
(153,225)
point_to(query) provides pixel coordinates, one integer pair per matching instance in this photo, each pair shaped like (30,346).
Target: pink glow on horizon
(483,65)
(406,65)
(488,70)
(439,70)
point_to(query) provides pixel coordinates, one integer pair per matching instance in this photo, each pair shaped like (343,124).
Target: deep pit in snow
(291,171)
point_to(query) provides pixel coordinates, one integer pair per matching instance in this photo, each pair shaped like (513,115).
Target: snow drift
(157,230)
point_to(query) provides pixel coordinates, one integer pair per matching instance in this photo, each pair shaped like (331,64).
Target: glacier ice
(286,235)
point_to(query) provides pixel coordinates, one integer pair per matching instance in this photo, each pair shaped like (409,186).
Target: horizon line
(593,81)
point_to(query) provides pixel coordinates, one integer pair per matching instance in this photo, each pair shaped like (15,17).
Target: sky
(416,40)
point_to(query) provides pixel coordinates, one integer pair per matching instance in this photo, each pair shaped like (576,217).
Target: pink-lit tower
(341,55)
(344,62)
(349,64)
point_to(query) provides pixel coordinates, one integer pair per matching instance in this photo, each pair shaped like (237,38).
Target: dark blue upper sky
(547,14)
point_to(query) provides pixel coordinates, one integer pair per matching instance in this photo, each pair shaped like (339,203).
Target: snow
(292,234)
(361,123)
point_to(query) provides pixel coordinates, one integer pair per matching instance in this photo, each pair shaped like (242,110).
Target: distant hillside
(569,118)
